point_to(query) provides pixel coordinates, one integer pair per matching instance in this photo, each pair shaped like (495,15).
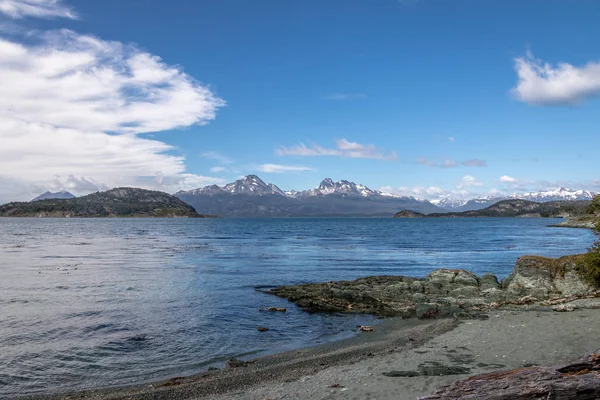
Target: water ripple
(91,303)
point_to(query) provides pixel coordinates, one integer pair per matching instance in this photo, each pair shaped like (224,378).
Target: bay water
(88,303)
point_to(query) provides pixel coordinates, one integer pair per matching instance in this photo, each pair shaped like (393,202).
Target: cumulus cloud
(344,148)
(468,181)
(36,8)
(507,179)
(563,84)
(278,169)
(73,107)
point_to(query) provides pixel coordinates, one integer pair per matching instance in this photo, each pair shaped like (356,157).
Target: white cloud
(431,192)
(344,148)
(278,169)
(451,139)
(468,181)
(214,155)
(36,8)
(346,96)
(474,162)
(564,84)
(72,108)
(217,169)
(507,179)
(436,164)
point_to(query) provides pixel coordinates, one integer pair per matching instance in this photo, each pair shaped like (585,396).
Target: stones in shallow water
(276,309)
(235,363)
(262,329)
(365,328)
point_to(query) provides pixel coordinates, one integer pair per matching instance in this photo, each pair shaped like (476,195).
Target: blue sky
(423,97)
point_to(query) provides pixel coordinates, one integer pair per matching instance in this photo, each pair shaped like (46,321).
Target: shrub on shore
(594,207)
(591,259)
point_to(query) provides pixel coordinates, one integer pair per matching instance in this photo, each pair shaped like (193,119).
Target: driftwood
(579,380)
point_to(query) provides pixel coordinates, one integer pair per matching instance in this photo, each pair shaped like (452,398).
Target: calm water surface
(99,302)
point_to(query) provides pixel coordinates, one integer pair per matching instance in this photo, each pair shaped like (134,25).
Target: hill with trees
(119,202)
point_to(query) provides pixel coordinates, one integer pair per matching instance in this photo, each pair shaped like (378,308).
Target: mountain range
(560,194)
(252,197)
(514,208)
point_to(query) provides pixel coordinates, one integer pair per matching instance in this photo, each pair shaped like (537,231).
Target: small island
(121,202)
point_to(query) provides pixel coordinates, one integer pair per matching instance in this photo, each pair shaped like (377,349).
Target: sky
(431,98)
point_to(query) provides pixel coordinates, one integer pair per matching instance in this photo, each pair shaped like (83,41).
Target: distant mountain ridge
(560,194)
(513,208)
(55,195)
(252,197)
(119,202)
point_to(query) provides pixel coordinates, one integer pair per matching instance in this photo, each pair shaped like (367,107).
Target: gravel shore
(506,340)
(402,359)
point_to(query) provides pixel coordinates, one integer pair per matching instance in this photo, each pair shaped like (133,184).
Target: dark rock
(431,368)
(438,369)
(535,282)
(235,363)
(579,380)
(262,329)
(402,374)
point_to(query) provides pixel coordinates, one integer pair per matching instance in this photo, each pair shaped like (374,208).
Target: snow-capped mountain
(252,185)
(343,188)
(449,203)
(210,190)
(251,196)
(560,194)
(56,195)
(479,203)
(457,205)
(556,195)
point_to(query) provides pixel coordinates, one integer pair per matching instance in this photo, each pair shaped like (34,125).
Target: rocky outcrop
(409,214)
(587,222)
(577,380)
(536,282)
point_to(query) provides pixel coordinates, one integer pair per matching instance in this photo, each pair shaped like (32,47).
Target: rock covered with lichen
(535,282)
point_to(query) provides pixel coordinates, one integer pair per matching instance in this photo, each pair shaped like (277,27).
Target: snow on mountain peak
(561,193)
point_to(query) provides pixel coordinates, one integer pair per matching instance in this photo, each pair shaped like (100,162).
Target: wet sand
(360,367)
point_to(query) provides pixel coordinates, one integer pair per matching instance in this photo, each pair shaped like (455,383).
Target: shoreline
(401,360)
(393,334)
(307,369)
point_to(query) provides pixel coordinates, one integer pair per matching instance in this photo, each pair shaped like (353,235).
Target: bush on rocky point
(591,260)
